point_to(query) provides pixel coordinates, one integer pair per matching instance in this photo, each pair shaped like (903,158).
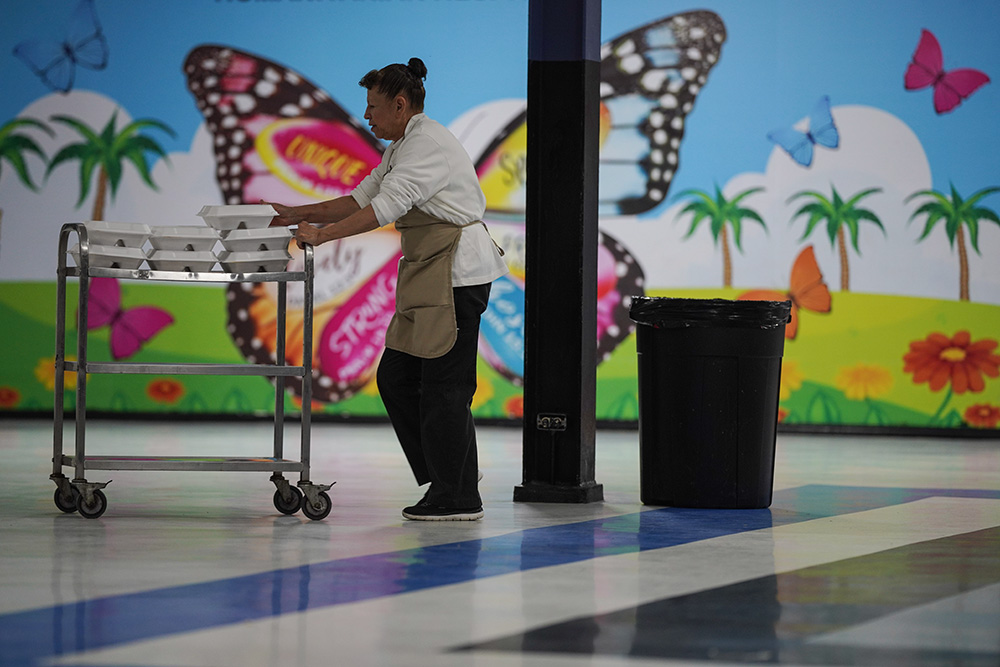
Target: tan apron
(424,323)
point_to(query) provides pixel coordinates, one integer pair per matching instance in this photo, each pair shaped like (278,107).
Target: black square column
(560,358)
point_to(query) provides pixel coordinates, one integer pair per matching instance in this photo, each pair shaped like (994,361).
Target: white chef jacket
(430,169)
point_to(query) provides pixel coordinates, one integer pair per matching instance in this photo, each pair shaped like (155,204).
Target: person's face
(386,117)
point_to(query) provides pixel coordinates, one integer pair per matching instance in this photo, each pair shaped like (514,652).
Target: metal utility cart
(87,497)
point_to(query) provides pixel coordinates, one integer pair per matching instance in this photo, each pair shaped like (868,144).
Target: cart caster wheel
(96,509)
(322,511)
(288,507)
(66,504)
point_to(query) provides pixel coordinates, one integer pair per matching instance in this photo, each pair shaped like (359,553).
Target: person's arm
(362,220)
(320,213)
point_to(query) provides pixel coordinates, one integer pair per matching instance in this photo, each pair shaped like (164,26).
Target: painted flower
(484,392)
(863,381)
(9,397)
(791,378)
(165,390)
(370,388)
(939,360)
(783,415)
(514,407)
(45,372)
(314,405)
(982,415)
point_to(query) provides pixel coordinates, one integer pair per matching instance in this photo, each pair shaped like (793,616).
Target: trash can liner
(672,313)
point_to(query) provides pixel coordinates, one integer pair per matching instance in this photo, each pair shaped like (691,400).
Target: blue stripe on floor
(30,636)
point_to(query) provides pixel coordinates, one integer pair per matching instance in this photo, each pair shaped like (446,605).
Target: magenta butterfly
(279,137)
(927,69)
(131,328)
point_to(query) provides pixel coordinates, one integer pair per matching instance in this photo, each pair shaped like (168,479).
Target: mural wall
(843,155)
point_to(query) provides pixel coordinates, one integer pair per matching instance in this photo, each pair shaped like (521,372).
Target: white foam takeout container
(126,234)
(237,216)
(182,260)
(267,261)
(184,238)
(250,240)
(111,256)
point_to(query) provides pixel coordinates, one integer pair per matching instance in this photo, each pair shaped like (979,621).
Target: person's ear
(400,103)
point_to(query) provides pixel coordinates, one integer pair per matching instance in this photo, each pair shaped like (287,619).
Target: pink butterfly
(927,69)
(130,328)
(278,137)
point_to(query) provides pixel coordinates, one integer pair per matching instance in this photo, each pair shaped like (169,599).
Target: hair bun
(417,66)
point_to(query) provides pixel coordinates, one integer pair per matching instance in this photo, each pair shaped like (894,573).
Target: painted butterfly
(54,62)
(278,137)
(927,69)
(650,77)
(807,290)
(822,132)
(131,328)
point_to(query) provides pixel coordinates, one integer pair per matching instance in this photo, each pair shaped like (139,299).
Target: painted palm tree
(722,213)
(838,214)
(957,214)
(14,145)
(106,152)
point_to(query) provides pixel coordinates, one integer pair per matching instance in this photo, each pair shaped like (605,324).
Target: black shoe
(424,511)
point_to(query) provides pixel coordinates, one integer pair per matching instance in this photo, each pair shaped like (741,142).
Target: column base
(542,492)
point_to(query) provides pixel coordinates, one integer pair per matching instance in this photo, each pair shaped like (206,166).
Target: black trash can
(709,375)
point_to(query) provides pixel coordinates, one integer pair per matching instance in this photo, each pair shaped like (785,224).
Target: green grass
(861,328)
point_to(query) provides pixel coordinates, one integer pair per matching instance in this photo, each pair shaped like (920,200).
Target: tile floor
(876,551)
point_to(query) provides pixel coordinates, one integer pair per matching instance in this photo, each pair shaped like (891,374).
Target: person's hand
(286,215)
(307,233)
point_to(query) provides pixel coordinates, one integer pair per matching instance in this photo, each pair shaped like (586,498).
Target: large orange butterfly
(807,290)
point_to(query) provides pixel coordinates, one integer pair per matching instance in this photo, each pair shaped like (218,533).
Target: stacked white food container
(248,244)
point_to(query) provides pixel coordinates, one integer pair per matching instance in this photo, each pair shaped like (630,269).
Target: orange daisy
(165,390)
(9,397)
(939,360)
(515,407)
(982,415)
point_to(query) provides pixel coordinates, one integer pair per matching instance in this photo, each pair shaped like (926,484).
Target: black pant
(429,402)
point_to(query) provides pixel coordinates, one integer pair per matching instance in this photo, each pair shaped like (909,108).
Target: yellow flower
(45,371)
(791,378)
(863,381)
(370,388)
(484,392)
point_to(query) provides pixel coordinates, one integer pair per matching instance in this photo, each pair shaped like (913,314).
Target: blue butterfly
(55,62)
(822,131)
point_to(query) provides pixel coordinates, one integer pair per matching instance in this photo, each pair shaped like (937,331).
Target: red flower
(314,405)
(9,397)
(165,391)
(982,415)
(515,406)
(782,414)
(939,360)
